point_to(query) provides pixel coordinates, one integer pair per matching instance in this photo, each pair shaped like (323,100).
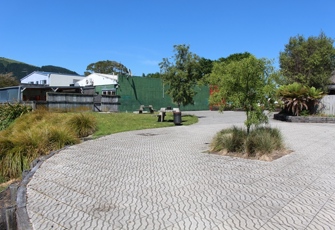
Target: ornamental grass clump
(83,124)
(263,140)
(33,135)
(229,140)
(236,142)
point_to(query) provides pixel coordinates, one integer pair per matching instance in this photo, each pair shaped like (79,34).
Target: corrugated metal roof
(49,73)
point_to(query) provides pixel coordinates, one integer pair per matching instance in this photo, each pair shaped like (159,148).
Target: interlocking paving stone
(165,179)
(292,219)
(241,220)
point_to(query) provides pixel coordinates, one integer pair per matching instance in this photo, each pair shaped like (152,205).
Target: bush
(260,141)
(298,98)
(9,112)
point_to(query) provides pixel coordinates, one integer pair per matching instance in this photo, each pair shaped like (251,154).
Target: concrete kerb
(22,218)
(303,119)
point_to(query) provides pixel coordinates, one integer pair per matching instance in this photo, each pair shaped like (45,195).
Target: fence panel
(327,105)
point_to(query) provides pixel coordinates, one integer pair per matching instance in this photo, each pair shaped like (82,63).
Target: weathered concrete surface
(163,179)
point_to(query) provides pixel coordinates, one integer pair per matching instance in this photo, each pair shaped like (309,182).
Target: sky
(140,33)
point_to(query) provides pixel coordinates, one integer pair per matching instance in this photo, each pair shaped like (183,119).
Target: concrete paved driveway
(163,179)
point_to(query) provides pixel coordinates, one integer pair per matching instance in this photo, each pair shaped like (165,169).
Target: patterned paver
(164,179)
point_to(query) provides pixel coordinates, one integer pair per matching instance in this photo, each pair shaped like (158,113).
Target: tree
(107,67)
(205,69)
(308,61)
(206,65)
(153,75)
(181,75)
(235,57)
(7,80)
(247,84)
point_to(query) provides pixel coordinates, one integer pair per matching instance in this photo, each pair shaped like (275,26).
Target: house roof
(110,76)
(49,73)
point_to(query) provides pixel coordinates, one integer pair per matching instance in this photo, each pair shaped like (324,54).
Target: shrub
(260,141)
(9,112)
(297,98)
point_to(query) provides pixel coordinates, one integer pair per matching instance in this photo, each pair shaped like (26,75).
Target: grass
(38,133)
(260,141)
(109,123)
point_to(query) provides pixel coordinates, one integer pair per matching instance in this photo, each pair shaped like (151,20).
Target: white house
(51,79)
(96,79)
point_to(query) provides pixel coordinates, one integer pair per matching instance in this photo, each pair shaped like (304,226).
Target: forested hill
(20,69)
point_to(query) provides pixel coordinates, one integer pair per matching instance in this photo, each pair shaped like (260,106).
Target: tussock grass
(264,140)
(260,141)
(9,112)
(83,125)
(30,136)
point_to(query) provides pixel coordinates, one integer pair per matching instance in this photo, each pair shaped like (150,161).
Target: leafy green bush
(260,141)
(297,98)
(9,112)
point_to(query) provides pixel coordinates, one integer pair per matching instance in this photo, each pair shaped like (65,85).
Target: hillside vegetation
(21,69)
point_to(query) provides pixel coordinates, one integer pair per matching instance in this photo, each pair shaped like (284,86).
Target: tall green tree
(206,65)
(152,75)
(7,80)
(107,67)
(235,57)
(308,61)
(205,69)
(181,73)
(247,84)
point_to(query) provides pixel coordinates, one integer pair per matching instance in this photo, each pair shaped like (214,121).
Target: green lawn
(109,123)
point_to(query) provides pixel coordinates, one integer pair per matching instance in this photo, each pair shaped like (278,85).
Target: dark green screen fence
(136,91)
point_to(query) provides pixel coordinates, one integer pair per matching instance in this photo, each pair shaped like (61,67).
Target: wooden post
(13,193)
(11,218)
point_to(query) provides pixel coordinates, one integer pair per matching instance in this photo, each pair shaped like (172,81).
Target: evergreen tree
(181,74)
(308,61)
